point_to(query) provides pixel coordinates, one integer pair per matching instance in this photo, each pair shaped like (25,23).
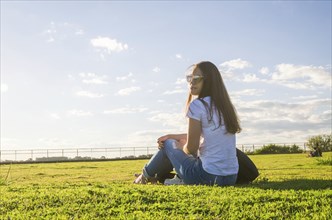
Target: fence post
(47,153)
(76,152)
(31,154)
(62,153)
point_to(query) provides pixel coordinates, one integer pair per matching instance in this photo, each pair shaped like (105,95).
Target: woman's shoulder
(206,99)
(203,99)
(200,103)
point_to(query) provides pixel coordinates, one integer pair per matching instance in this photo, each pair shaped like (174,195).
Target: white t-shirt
(218,149)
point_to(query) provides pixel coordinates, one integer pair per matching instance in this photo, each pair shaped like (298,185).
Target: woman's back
(217,151)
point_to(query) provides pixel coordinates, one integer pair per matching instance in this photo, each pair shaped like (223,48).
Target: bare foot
(140,179)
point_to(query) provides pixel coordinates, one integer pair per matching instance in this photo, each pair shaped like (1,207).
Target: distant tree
(278,149)
(324,142)
(51,158)
(295,149)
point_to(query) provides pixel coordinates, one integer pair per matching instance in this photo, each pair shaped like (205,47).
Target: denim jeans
(186,166)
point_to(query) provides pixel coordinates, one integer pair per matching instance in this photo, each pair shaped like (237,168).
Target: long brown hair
(214,87)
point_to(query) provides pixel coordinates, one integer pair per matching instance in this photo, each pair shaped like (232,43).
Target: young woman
(213,117)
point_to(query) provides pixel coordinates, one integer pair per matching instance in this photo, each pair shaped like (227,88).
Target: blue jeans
(186,166)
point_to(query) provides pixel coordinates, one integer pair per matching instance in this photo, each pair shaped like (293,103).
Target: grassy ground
(289,187)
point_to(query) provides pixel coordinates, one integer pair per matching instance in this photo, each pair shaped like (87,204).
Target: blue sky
(104,74)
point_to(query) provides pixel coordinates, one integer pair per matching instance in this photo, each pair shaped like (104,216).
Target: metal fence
(74,154)
(252,147)
(103,153)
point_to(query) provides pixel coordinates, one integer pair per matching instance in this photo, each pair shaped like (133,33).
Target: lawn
(290,186)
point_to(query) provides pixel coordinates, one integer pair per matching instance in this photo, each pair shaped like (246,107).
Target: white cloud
(89,94)
(264,70)
(123,78)
(305,97)
(248,92)
(227,68)
(235,64)
(102,57)
(128,91)
(51,141)
(111,45)
(180,81)
(156,69)
(292,76)
(251,78)
(276,116)
(311,74)
(154,84)
(13,142)
(70,77)
(50,40)
(295,85)
(79,32)
(61,31)
(178,56)
(228,75)
(92,78)
(148,137)
(126,110)
(175,120)
(55,116)
(79,113)
(4,87)
(175,91)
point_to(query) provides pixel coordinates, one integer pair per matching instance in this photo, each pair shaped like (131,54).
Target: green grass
(325,161)
(290,186)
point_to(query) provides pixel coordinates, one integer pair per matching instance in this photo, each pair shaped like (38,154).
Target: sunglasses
(194,79)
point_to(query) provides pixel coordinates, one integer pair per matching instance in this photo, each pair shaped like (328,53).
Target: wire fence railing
(44,155)
(249,148)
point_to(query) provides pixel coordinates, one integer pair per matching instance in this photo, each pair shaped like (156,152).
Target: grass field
(289,187)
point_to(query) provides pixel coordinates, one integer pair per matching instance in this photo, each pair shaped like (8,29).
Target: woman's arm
(177,137)
(189,143)
(193,138)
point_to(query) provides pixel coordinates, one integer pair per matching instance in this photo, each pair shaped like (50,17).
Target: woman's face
(196,82)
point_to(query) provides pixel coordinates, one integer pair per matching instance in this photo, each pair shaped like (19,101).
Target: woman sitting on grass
(212,116)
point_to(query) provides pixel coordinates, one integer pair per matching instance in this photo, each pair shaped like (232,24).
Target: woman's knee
(170,144)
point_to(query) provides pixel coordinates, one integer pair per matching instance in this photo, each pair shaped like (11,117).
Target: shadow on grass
(298,184)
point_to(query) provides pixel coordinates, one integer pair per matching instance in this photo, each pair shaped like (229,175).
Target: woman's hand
(161,140)
(181,140)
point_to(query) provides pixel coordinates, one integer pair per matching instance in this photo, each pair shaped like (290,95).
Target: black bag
(247,170)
